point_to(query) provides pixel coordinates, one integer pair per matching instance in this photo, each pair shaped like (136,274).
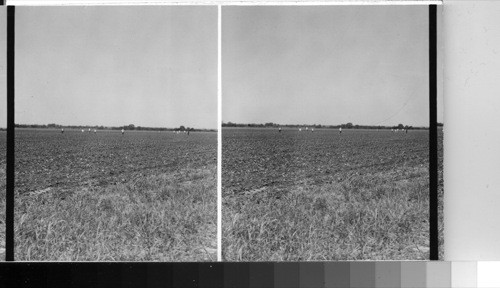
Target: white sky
(326,65)
(147,66)
(87,53)
(3,67)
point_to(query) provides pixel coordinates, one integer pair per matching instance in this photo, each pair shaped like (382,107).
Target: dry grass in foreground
(3,183)
(373,216)
(168,217)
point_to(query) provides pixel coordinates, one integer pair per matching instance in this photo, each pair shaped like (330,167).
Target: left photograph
(3,127)
(116,133)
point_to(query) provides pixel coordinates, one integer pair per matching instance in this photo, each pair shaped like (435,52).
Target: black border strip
(433,142)
(9,201)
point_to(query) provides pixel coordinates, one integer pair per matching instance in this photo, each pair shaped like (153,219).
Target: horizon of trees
(101,127)
(316,126)
(224,124)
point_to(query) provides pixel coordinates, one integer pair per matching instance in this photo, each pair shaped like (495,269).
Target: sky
(3,67)
(367,65)
(148,66)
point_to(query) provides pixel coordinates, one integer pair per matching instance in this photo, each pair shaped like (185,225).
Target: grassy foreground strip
(373,216)
(3,183)
(166,217)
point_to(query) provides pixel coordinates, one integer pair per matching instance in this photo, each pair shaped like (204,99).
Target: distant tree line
(97,127)
(343,126)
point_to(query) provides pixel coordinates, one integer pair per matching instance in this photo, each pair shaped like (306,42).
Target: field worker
(83,130)
(300,129)
(279,129)
(312,129)
(340,130)
(188,132)
(307,128)
(62,130)
(95,131)
(123,131)
(89,130)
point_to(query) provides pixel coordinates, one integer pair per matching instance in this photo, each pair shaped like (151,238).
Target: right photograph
(325,133)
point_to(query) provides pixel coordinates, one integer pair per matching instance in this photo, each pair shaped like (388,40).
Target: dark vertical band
(9,203)
(433,144)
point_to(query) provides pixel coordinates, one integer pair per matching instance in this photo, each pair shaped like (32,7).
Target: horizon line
(354,124)
(119,126)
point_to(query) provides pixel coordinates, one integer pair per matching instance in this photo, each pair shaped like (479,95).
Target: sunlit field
(3,183)
(141,196)
(362,194)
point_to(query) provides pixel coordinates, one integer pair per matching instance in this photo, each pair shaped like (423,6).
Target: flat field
(141,196)
(3,182)
(320,195)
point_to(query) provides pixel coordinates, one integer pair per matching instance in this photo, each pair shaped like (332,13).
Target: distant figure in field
(406,131)
(89,130)
(307,128)
(279,129)
(62,131)
(95,131)
(312,129)
(123,131)
(340,130)
(83,130)
(188,132)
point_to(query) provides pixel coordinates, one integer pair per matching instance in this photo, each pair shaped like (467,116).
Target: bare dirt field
(141,196)
(362,194)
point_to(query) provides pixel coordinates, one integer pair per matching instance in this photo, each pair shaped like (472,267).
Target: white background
(471,132)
